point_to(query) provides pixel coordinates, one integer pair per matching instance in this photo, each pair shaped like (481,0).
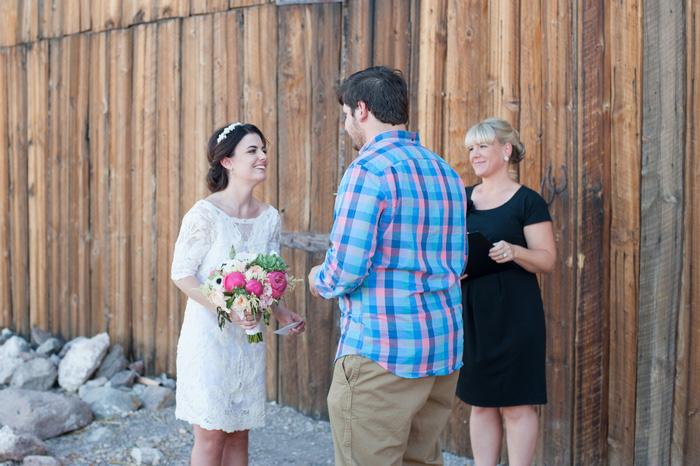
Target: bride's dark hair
(219,148)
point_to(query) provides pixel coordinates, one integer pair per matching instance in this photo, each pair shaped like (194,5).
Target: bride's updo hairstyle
(222,144)
(492,129)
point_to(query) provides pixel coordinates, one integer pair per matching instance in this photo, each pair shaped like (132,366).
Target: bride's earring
(505,157)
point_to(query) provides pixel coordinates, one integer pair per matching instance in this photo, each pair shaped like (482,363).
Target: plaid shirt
(398,249)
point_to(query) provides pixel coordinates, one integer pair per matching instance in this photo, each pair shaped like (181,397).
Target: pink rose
(266,301)
(234,280)
(278,283)
(254,287)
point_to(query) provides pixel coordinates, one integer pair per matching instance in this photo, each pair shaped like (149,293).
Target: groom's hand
(312,281)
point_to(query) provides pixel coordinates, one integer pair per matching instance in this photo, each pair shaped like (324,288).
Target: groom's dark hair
(382,89)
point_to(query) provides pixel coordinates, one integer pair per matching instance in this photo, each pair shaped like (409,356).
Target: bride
(221,377)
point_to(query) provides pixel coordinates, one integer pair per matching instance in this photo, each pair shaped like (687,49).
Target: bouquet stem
(256,338)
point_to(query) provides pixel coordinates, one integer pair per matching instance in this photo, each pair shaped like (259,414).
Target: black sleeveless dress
(504,327)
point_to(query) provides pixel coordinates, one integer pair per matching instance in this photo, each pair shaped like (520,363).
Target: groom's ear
(361,112)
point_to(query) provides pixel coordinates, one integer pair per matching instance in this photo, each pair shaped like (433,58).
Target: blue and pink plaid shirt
(398,249)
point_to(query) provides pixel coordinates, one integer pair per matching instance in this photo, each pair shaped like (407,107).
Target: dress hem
(228,429)
(503,405)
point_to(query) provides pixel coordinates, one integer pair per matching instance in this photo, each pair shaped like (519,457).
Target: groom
(398,248)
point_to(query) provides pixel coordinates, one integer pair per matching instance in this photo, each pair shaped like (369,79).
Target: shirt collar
(391,136)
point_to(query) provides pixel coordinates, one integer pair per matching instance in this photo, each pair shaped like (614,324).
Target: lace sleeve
(193,243)
(275,237)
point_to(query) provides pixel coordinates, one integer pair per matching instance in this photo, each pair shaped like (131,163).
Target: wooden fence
(105,108)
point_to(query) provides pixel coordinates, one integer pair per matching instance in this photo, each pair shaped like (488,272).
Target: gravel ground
(289,438)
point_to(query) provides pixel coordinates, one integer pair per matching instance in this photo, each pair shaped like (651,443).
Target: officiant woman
(504,328)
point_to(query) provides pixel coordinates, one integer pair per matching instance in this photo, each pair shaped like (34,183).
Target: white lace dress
(220,376)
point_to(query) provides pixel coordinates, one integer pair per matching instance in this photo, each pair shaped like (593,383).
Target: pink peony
(254,287)
(278,283)
(234,280)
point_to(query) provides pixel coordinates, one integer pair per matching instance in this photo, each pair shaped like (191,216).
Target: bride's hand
(247,323)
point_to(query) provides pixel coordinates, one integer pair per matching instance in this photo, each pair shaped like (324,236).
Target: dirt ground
(289,438)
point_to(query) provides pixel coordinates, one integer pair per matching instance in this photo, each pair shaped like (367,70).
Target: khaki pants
(378,418)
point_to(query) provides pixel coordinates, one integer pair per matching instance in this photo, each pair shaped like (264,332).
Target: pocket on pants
(349,369)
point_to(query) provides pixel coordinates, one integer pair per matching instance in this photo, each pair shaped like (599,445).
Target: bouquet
(248,282)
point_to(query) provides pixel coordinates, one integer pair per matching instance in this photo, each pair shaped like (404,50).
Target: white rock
(98,434)
(81,361)
(43,414)
(16,445)
(36,374)
(8,366)
(66,347)
(146,455)
(108,402)
(35,460)
(13,347)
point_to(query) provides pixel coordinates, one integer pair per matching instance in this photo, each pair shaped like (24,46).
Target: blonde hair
(491,129)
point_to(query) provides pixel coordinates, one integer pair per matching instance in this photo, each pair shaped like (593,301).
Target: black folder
(479,263)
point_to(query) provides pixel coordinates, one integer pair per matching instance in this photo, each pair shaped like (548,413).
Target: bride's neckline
(242,220)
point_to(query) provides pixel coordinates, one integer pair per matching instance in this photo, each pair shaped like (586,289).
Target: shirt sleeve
(536,209)
(193,243)
(358,209)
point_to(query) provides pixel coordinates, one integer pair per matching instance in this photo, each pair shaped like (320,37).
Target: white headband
(227,130)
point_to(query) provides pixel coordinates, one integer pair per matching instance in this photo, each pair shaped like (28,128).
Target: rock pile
(49,387)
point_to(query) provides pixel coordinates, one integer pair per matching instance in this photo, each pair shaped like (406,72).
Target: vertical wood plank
(246,3)
(430,81)
(106,14)
(358,43)
(98,113)
(661,259)
(60,209)
(590,383)
(137,12)
(37,156)
(143,208)
(295,29)
(196,105)
(71,15)
(199,7)
(85,15)
(5,289)
(10,14)
(308,43)
(258,105)
(220,65)
(51,18)
(317,373)
(260,84)
(625,55)
(58,214)
(19,220)
(172,9)
(530,127)
(167,169)
(356,55)
(28,22)
(414,64)
(465,80)
(559,286)
(391,34)
(79,185)
(686,431)
(120,218)
(233,69)
(503,60)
